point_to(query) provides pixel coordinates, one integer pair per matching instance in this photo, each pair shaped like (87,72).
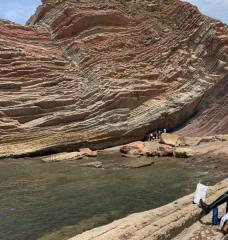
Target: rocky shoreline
(195,150)
(168,222)
(177,220)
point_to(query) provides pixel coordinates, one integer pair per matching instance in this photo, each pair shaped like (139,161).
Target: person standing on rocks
(219,201)
(222,199)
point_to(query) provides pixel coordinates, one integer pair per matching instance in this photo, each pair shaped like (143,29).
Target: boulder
(96,164)
(191,141)
(66,156)
(165,150)
(88,152)
(182,152)
(135,148)
(170,139)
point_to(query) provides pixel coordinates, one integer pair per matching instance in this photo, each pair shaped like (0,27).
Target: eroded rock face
(102,73)
(138,164)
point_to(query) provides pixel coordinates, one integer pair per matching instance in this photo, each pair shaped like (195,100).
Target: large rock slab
(170,139)
(138,164)
(135,148)
(67,156)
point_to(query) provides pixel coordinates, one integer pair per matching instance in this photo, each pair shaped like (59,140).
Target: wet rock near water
(135,149)
(165,150)
(88,152)
(138,164)
(138,149)
(67,156)
(178,152)
(182,152)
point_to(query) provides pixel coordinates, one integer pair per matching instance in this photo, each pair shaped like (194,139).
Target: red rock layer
(102,73)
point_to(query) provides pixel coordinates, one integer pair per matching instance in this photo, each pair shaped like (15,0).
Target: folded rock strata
(102,73)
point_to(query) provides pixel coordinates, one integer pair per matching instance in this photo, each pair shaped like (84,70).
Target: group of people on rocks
(155,135)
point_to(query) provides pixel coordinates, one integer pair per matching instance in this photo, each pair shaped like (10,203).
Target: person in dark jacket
(222,199)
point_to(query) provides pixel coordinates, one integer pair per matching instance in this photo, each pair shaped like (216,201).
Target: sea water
(55,201)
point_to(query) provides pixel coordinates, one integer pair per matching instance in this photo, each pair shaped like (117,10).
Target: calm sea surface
(55,201)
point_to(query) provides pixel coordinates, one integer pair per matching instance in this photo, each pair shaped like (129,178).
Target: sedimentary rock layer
(212,118)
(88,73)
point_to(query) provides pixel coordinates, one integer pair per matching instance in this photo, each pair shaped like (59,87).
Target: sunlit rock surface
(101,73)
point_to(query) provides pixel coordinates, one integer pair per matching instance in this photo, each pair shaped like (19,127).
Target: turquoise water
(53,201)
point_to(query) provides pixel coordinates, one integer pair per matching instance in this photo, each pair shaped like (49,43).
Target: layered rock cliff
(100,73)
